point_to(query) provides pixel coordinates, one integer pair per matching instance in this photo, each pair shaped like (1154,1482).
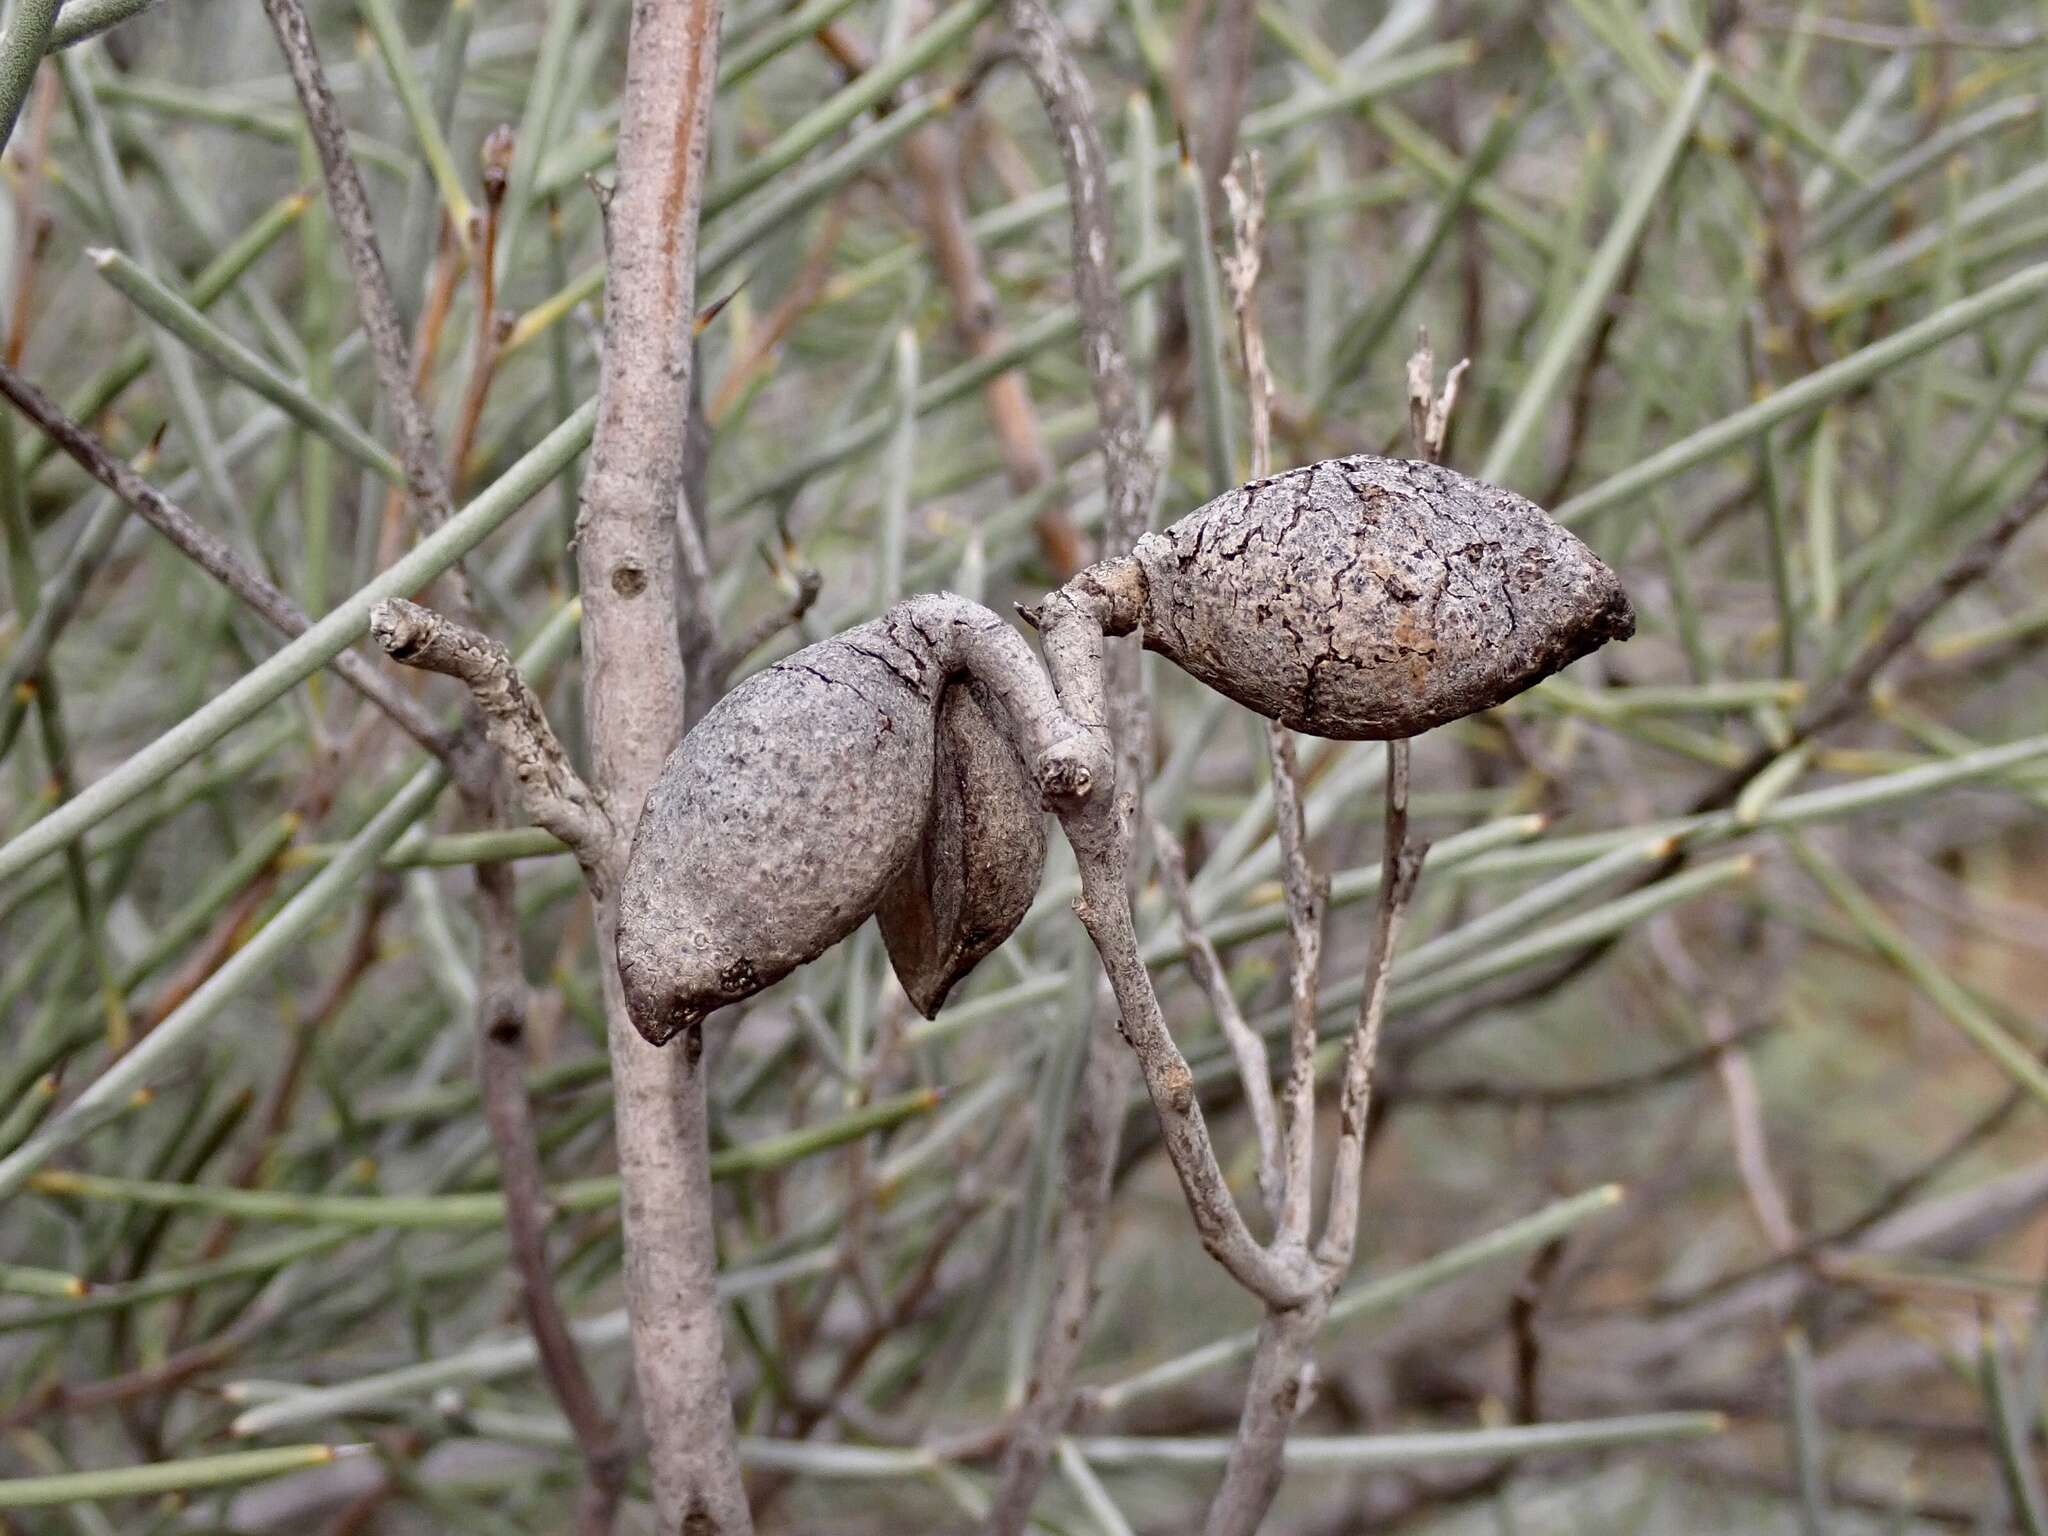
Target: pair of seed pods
(898,770)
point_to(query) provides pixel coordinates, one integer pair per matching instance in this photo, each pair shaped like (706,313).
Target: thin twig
(511,719)
(1114,693)
(33,224)
(492,327)
(1429,417)
(1247,1045)
(1738,1086)
(1228,50)
(1070,104)
(501,1045)
(1401,867)
(1306,892)
(1870,34)
(212,555)
(786,614)
(1244,187)
(1849,693)
(389,355)
(555,795)
(933,155)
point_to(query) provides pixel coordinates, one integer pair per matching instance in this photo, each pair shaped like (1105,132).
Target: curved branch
(554,793)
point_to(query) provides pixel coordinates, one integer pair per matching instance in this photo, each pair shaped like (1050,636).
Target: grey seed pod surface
(778,824)
(1371,599)
(978,862)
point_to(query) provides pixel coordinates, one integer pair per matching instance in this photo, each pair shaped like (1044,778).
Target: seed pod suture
(805,798)
(1372,599)
(978,861)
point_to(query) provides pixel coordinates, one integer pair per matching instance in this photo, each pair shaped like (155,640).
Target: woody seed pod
(1373,599)
(978,861)
(806,799)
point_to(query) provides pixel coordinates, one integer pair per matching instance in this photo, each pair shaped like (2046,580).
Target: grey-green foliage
(1809,246)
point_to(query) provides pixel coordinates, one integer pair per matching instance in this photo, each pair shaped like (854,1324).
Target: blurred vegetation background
(1708,1136)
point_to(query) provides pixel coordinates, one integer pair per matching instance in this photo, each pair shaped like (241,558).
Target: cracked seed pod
(837,782)
(1370,599)
(978,862)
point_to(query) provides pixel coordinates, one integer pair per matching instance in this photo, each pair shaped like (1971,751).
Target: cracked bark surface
(1373,599)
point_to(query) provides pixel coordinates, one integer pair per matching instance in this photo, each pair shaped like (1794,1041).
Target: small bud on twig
(496,157)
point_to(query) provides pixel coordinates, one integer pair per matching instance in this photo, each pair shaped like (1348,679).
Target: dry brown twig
(506,714)
(1113,692)
(1281,1372)
(933,155)
(492,326)
(1738,1087)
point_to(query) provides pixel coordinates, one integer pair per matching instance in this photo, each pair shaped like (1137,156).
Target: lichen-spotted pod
(1372,599)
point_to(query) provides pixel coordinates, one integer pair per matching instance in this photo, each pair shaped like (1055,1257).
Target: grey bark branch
(634,703)
(554,793)
(1400,868)
(1111,690)
(501,1072)
(1070,104)
(1275,1393)
(1307,898)
(212,555)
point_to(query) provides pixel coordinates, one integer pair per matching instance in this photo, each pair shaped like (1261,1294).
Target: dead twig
(212,555)
(1112,691)
(389,355)
(1247,1045)
(555,794)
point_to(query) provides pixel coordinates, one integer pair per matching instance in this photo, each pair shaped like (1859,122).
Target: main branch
(634,713)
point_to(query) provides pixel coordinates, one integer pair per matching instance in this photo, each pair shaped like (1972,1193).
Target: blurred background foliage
(1712,1084)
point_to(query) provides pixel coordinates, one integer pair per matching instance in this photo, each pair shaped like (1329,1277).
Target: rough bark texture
(1275,1394)
(512,719)
(633,705)
(786,816)
(978,860)
(1372,599)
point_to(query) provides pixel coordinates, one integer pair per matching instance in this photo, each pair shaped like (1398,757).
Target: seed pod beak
(1616,619)
(657,1010)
